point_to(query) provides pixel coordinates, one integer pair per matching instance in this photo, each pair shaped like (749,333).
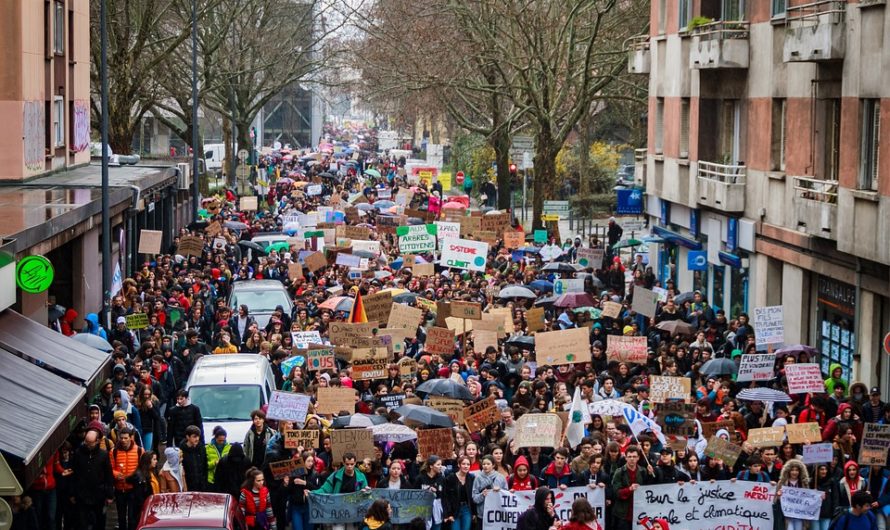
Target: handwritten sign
(352,507)
(439,442)
(612,309)
(137,321)
(423,269)
(392,401)
(818,453)
(294,271)
(404,317)
(502,508)
(320,360)
(766,437)
(563,347)
(315,261)
(663,388)
(769,325)
(483,339)
(453,407)
(248,204)
(446,229)
(645,301)
(288,406)
(513,239)
(538,430)
(707,505)
(804,378)
(677,419)
(875,444)
(367,369)
(150,241)
(591,258)
(359,442)
(286,468)
(803,433)
(407,370)
(723,450)
(471,310)
(378,306)
(440,340)
(190,246)
(351,334)
(627,349)
(757,367)
(801,503)
(302,339)
(464,254)
(335,400)
(481,414)
(710,428)
(534,317)
(306,438)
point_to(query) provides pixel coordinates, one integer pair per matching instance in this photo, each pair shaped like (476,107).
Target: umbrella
(676,327)
(252,246)
(398,262)
(719,366)
(329,176)
(393,432)
(235,225)
(547,300)
(382,274)
(524,341)
(796,350)
(422,415)
(373,172)
(682,298)
(405,298)
(414,221)
(653,239)
(337,303)
(542,285)
(95,341)
(517,291)
(764,394)
(55,312)
(560,267)
(358,420)
(364,206)
(444,388)
(624,243)
(383,204)
(574,300)
(607,407)
(530,250)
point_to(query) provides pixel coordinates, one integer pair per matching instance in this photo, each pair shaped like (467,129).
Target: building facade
(766,175)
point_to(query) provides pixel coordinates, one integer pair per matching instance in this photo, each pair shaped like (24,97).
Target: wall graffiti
(81,140)
(34,134)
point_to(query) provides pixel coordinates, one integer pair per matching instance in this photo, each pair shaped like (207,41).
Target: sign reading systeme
(630,202)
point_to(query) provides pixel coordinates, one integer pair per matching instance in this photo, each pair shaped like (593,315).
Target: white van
(214,155)
(227,388)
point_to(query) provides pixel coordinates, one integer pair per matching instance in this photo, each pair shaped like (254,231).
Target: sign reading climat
(464,254)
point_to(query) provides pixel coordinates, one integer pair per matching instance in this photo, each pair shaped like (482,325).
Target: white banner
(801,503)
(503,508)
(706,505)
(464,254)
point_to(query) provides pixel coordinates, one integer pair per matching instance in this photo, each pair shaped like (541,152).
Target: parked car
(192,510)
(261,298)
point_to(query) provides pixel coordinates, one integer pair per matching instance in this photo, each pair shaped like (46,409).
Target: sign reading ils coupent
(706,505)
(502,508)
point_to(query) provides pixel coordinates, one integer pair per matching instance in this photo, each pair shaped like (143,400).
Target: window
(662,8)
(832,139)
(659,126)
(869,139)
(730,132)
(732,10)
(685,13)
(684,128)
(58,121)
(59,28)
(777,141)
(779,7)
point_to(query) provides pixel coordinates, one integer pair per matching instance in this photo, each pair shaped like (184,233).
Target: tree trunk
(501,144)
(545,175)
(227,143)
(121,129)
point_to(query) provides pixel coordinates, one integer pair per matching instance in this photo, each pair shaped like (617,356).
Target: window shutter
(875,142)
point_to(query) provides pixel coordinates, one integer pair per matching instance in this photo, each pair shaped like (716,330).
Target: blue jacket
(93,327)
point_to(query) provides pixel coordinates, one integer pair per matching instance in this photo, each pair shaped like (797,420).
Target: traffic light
(512,170)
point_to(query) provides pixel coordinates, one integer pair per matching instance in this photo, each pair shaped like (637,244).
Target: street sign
(887,343)
(527,160)
(550,217)
(632,226)
(243,154)
(459,177)
(560,208)
(520,146)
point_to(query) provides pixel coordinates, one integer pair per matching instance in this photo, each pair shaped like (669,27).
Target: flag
(117,282)
(357,314)
(639,423)
(579,416)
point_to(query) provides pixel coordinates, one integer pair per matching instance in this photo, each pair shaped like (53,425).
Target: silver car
(261,298)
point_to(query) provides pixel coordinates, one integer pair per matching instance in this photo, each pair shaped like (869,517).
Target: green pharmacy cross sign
(34,274)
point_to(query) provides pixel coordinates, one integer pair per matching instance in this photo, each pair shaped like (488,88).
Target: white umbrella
(393,432)
(607,407)
(764,394)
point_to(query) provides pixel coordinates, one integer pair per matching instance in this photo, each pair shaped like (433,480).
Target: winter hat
(97,426)
(120,415)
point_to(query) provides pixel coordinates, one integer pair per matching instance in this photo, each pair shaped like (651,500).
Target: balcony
(815,32)
(639,57)
(721,44)
(640,167)
(815,206)
(722,186)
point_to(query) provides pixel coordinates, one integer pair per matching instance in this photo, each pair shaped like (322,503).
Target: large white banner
(705,506)
(502,508)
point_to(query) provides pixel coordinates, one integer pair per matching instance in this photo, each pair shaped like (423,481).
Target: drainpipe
(857,313)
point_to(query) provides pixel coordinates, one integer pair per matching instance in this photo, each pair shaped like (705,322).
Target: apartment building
(765,173)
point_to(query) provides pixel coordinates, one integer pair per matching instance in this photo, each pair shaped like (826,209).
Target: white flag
(579,416)
(117,282)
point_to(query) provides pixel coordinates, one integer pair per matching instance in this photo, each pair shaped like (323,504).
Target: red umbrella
(574,300)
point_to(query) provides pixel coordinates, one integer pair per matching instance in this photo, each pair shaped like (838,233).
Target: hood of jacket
(92,320)
(832,367)
(541,496)
(521,461)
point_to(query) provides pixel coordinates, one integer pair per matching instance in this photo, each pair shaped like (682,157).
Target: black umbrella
(719,366)
(421,415)
(357,420)
(54,313)
(235,225)
(547,300)
(405,298)
(252,246)
(523,341)
(682,298)
(444,388)
(559,266)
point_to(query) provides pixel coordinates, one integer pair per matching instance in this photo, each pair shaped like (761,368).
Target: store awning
(63,355)
(38,410)
(730,259)
(672,237)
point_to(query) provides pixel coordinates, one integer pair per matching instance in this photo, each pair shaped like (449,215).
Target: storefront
(835,333)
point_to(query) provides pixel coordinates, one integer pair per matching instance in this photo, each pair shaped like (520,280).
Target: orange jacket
(124,463)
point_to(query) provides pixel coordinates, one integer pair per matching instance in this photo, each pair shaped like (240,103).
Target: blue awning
(730,259)
(675,238)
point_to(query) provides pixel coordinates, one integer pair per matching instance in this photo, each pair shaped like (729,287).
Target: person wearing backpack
(860,516)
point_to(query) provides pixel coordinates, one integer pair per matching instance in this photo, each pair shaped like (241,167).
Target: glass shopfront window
(836,307)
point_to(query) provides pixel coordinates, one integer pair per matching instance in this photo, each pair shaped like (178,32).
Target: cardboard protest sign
(248,204)
(294,271)
(286,468)
(137,321)
(425,304)
(470,225)
(538,430)
(356,232)
(307,438)
(359,442)
(453,407)
(481,414)
(423,269)
(315,261)
(804,378)
(612,309)
(439,442)
(396,337)
(440,340)
(213,229)
(407,369)
(288,406)
(489,322)
(320,360)
(766,437)
(150,241)
(350,334)
(302,339)
(875,445)
(818,453)
(677,418)
(417,239)
(190,246)
(335,400)
(801,433)
(591,258)
(663,388)
(461,325)
(378,306)
(446,229)
(405,317)
(378,353)
(724,450)
(348,260)
(757,367)
(801,503)
(707,505)
(471,310)
(710,428)
(367,246)
(627,349)
(645,301)
(495,222)
(769,325)
(367,369)
(567,346)
(482,339)
(534,318)
(514,239)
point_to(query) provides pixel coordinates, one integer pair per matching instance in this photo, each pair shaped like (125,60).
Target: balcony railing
(813,189)
(639,57)
(815,32)
(722,186)
(814,206)
(720,44)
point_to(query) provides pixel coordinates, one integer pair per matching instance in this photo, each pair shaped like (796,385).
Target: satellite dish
(5,515)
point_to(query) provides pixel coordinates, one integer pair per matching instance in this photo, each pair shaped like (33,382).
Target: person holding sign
(794,474)
(485,482)
(583,517)
(541,515)
(457,496)
(626,480)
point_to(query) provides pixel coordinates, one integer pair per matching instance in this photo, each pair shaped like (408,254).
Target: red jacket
(572,525)
(46,480)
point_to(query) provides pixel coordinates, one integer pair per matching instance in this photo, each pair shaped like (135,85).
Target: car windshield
(226,402)
(260,301)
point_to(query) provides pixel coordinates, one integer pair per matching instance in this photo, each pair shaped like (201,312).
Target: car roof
(198,509)
(258,285)
(231,369)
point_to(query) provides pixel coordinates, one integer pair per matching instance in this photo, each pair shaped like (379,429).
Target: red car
(192,510)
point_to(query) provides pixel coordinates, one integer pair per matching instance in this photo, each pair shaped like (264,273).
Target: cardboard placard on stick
(453,407)
(801,433)
(359,442)
(804,378)
(439,442)
(318,359)
(315,261)
(627,349)
(567,346)
(378,306)
(248,204)
(470,310)
(350,334)
(645,301)
(724,450)
(875,445)
(368,369)
(677,419)
(612,309)
(335,400)
(288,406)
(538,430)
(150,241)
(513,239)
(710,428)
(405,317)
(306,438)
(294,271)
(664,388)
(286,468)
(482,339)
(440,340)
(423,269)
(766,437)
(481,414)
(534,317)
(190,246)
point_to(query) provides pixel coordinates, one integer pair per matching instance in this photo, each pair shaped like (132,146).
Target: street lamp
(195,146)
(106,217)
